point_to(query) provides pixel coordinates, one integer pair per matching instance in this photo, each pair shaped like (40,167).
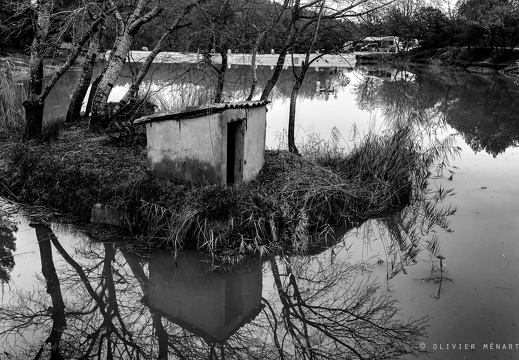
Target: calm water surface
(116,302)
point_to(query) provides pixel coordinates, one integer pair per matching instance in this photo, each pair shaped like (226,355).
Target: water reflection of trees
(482,108)
(485,113)
(174,86)
(7,247)
(398,93)
(102,302)
(199,82)
(88,313)
(330,310)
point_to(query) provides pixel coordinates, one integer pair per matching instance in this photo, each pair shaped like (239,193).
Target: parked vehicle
(370,47)
(359,46)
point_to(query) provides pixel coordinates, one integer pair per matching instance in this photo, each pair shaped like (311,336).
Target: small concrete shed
(213,144)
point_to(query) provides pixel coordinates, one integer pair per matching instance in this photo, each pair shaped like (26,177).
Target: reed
(52,127)
(12,114)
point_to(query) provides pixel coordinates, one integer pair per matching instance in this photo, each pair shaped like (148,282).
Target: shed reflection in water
(210,304)
(96,300)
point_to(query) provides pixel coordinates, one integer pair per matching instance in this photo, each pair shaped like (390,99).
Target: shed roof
(199,111)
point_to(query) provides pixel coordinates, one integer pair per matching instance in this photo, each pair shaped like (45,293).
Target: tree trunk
(33,117)
(33,105)
(133,92)
(162,336)
(100,111)
(279,64)
(95,83)
(255,48)
(292,117)
(254,77)
(93,89)
(297,85)
(44,235)
(144,282)
(221,76)
(74,109)
(275,75)
(126,33)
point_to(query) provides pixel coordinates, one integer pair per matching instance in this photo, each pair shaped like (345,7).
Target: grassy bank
(291,200)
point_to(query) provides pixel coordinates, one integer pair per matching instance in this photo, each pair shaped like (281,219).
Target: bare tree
(49,26)
(127,29)
(76,102)
(298,82)
(217,19)
(262,30)
(177,23)
(304,16)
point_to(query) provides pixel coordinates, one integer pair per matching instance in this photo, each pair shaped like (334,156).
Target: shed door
(235,146)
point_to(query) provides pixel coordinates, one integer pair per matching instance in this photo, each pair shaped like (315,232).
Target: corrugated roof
(199,111)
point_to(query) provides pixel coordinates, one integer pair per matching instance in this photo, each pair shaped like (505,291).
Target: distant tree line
(474,23)
(490,24)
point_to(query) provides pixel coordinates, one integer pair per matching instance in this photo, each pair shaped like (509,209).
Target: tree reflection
(482,108)
(102,302)
(94,301)
(57,310)
(176,86)
(486,115)
(331,311)
(399,93)
(7,247)
(181,85)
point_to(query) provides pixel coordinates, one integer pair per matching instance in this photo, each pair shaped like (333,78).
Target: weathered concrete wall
(188,149)
(254,152)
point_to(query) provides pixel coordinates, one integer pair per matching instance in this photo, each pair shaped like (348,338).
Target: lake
(95,298)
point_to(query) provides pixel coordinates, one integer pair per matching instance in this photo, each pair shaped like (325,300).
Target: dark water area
(70,295)
(96,297)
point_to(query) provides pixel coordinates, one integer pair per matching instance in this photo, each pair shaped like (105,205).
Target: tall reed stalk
(12,114)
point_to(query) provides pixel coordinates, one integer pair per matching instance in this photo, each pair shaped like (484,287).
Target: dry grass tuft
(11,95)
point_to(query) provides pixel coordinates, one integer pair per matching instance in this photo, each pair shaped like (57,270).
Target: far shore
(20,63)
(328,60)
(457,57)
